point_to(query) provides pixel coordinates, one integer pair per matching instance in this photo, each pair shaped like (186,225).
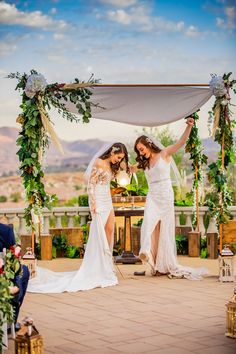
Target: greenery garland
(223,134)
(9,267)
(195,148)
(33,138)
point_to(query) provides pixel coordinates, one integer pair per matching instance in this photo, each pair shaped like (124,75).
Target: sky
(119,41)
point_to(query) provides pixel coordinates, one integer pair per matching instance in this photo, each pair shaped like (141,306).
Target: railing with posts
(57,216)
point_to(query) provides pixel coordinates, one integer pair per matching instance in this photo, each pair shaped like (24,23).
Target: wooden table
(127,256)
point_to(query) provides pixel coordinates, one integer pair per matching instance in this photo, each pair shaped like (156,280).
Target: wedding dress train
(97,268)
(160,208)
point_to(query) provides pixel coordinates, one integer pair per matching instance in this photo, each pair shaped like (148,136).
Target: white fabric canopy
(146,105)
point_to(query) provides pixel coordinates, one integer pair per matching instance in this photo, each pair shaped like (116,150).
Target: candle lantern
(30,261)
(226,265)
(231,317)
(123,179)
(28,340)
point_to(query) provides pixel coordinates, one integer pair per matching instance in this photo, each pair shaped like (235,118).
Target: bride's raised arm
(169,150)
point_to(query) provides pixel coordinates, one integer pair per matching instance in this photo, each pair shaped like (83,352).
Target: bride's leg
(155,240)
(109,228)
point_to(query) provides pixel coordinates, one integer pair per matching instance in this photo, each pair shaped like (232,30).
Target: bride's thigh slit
(109,228)
(155,241)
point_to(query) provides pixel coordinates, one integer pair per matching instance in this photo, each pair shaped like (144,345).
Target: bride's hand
(190,121)
(93,208)
(133,168)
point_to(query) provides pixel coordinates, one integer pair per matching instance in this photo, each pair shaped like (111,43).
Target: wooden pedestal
(46,247)
(229,232)
(74,235)
(25,243)
(212,245)
(194,243)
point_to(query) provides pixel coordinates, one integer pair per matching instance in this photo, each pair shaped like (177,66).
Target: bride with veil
(97,268)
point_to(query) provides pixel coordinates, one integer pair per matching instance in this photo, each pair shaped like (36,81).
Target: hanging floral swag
(195,148)
(222,132)
(37,98)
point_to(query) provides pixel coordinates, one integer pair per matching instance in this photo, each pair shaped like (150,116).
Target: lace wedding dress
(97,268)
(160,207)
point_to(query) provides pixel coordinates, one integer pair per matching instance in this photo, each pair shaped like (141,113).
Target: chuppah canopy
(145,105)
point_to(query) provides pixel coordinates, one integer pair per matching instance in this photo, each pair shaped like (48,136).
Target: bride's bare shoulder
(99,164)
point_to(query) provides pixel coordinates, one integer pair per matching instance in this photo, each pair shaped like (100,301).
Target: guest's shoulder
(4,227)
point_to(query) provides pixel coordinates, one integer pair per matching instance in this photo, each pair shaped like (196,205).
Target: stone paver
(140,315)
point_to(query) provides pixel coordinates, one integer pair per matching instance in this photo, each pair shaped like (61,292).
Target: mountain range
(76,155)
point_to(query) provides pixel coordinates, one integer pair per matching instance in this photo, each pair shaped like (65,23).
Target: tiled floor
(140,315)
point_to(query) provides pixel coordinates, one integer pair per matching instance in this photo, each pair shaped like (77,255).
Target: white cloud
(7,48)
(192,31)
(89,69)
(120,16)
(10,15)
(58,36)
(229,23)
(119,3)
(53,11)
(57,58)
(139,16)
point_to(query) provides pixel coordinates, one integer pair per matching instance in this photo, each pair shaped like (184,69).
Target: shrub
(83,200)
(181,244)
(3,199)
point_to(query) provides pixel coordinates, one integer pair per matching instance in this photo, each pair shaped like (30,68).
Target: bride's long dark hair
(144,162)
(116,148)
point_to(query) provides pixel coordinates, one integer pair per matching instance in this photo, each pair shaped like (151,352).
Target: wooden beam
(151,85)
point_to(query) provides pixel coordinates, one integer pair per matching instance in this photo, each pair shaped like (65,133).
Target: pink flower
(17,251)
(1,265)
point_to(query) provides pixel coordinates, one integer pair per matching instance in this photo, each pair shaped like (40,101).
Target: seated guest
(7,239)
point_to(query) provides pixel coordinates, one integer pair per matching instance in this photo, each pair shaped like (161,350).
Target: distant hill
(76,156)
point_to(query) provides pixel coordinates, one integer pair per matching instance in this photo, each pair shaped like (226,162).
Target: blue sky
(120,41)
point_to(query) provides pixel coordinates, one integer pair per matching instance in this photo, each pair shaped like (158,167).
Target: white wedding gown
(97,268)
(160,207)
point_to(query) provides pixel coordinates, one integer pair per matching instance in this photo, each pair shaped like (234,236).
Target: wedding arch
(144,105)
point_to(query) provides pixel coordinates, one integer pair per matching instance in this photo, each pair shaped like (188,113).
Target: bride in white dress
(97,269)
(158,247)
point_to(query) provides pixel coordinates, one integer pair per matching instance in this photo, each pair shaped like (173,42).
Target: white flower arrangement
(35,83)
(114,149)
(149,141)
(217,86)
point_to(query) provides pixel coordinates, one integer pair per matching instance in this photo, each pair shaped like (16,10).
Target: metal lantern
(30,261)
(231,317)
(29,345)
(226,265)
(28,342)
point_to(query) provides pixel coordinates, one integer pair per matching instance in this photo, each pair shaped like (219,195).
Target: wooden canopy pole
(223,167)
(197,201)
